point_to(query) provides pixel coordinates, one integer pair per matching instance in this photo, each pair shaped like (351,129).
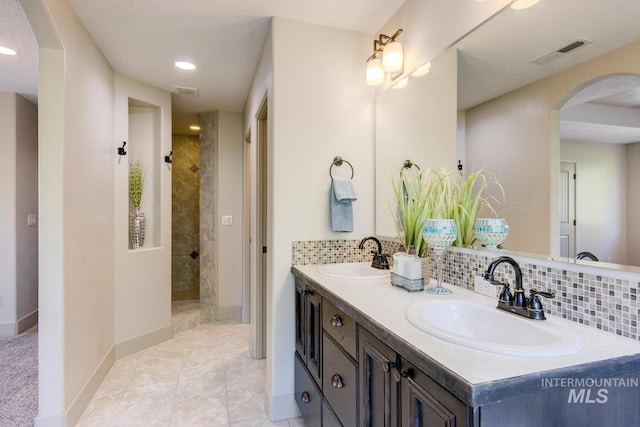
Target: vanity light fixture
(523,4)
(4,50)
(423,70)
(194,127)
(392,60)
(185,65)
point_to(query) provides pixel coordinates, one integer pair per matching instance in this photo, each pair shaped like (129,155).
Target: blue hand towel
(342,195)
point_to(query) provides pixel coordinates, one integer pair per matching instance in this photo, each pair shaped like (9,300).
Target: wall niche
(144,145)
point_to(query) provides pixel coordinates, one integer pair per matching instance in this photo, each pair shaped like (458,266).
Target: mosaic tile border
(594,297)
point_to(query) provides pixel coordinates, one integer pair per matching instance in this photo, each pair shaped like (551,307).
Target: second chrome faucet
(517,303)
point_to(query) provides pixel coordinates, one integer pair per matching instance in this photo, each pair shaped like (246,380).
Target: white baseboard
(142,342)
(229,313)
(8,329)
(71,416)
(11,329)
(280,407)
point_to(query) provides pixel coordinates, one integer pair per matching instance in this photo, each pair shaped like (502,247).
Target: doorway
(567,205)
(256,256)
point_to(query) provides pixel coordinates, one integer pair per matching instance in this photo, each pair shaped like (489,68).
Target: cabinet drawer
(329,419)
(308,396)
(340,326)
(340,382)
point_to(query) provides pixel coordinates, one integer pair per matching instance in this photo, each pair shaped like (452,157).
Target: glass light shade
(7,51)
(401,83)
(423,70)
(392,57)
(523,4)
(375,73)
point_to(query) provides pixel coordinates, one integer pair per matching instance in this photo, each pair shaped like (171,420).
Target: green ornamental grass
(136,181)
(441,194)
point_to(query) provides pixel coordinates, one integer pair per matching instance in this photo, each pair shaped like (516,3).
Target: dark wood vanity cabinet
(425,402)
(326,370)
(379,389)
(309,329)
(396,393)
(346,376)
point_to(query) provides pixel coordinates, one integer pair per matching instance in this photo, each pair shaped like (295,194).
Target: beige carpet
(19,379)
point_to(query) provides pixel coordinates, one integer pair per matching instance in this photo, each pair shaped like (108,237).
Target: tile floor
(203,377)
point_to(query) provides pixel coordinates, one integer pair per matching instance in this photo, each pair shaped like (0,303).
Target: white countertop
(386,304)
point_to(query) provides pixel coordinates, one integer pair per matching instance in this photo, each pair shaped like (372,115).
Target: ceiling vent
(183,90)
(576,44)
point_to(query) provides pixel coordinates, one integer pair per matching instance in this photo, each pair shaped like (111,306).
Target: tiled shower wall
(185,238)
(602,298)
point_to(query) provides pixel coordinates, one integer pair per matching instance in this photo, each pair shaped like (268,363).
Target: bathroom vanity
(360,362)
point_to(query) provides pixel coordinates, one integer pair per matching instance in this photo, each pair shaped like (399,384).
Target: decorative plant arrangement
(441,194)
(471,202)
(412,195)
(136,219)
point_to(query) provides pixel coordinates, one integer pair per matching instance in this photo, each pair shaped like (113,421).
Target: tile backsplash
(602,298)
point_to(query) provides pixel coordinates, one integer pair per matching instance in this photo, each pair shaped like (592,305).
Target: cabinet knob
(305,397)
(336,381)
(307,292)
(387,366)
(336,321)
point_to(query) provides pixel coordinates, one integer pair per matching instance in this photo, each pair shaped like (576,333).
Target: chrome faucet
(379,259)
(518,304)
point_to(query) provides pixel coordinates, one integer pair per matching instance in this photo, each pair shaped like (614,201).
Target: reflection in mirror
(519,134)
(599,146)
(510,113)
(416,123)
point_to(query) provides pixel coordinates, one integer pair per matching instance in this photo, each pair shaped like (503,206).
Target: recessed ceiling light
(184,65)
(7,51)
(523,4)
(194,127)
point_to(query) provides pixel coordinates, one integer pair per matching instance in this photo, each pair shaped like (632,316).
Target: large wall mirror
(520,107)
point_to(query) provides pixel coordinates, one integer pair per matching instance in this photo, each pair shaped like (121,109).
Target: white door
(567,206)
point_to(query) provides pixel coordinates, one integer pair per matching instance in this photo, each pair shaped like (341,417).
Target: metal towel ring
(337,161)
(408,164)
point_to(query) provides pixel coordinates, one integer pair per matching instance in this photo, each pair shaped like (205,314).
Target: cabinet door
(314,334)
(426,404)
(300,318)
(308,396)
(379,390)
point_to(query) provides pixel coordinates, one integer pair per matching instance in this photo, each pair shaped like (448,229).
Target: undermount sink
(486,328)
(353,271)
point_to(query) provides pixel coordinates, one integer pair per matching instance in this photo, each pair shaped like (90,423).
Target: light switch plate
(227,220)
(32,219)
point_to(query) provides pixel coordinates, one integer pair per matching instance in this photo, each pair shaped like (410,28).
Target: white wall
(322,108)
(417,123)
(230,178)
(601,198)
(142,314)
(517,136)
(8,273)
(76,261)
(633,204)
